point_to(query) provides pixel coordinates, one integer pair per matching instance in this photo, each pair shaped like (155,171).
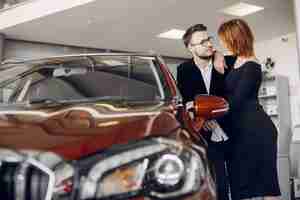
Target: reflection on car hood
(76,130)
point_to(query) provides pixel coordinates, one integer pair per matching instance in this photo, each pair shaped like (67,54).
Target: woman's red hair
(238,37)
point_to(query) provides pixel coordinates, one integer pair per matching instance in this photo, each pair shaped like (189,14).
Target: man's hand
(210,125)
(219,62)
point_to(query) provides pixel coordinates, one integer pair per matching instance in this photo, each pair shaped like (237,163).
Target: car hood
(77,130)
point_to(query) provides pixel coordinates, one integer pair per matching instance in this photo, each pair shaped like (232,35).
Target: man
(200,75)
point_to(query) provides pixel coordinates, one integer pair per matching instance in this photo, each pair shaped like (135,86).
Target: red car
(101,126)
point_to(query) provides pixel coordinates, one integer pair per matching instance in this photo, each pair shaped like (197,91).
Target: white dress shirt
(206,74)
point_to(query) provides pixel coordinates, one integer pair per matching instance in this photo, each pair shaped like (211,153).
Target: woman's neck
(246,57)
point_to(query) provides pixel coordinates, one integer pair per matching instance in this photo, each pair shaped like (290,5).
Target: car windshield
(82,78)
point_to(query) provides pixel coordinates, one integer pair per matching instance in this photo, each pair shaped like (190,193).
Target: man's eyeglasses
(203,42)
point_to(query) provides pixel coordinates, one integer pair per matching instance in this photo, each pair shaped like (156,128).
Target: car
(101,126)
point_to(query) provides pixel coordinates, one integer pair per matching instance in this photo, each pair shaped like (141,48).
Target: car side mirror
(209,107)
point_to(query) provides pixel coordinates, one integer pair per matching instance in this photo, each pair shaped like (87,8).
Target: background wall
(22,49)
(284,51)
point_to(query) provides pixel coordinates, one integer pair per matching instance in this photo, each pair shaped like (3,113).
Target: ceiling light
(241,9)
(147,58)
(112,62)
(172,34)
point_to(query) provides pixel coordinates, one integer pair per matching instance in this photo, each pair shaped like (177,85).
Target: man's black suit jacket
(190,84)
(190,81)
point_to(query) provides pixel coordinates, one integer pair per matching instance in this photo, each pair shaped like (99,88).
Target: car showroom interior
(162,100)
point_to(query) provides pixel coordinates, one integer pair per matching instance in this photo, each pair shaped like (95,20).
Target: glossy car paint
(78,130)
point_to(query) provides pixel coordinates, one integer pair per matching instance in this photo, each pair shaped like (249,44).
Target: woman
(252,162)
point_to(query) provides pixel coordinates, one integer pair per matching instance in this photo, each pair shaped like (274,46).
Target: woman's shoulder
(254,63)
(251,65)
(251,68)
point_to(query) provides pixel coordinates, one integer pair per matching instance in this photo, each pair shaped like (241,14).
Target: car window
(126,77)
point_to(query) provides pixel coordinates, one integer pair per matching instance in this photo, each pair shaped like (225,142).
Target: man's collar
(208,67)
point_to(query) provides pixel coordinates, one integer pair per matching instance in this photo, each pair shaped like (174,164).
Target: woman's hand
(219,62)
(210,125)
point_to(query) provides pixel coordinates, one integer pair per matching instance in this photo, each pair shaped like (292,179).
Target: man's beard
(206,57)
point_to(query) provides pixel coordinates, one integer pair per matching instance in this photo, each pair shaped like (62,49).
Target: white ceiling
(132,25)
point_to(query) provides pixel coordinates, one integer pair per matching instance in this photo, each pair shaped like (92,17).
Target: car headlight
(169,170)
(157,167)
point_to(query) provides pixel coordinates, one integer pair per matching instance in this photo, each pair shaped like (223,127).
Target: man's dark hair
(189,32)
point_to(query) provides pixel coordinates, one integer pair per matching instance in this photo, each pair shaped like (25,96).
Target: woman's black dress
(252,161)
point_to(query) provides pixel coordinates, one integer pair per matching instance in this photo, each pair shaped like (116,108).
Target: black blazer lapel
(213,82)
(202,84)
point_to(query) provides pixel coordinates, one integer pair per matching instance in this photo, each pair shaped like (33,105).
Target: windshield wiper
(45,101)
(103,98)
(50,101)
